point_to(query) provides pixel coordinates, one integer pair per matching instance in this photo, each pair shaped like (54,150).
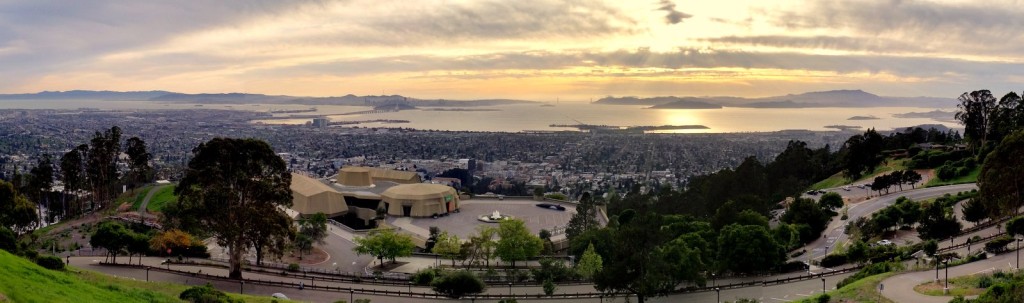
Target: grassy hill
(164,194)
(24,281)
(839,180)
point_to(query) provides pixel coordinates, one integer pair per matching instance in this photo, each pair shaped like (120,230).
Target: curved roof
(307,186)
(418,191)
(355,176)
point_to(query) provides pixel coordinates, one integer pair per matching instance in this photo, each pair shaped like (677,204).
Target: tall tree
(584,219)
(228,185)
(40,184)
(271,236)
(590,264)
(72,174)
(1001,182)
(516,243)
(138,161)
(101,164)
(975,111)
(974,211)
(748,248)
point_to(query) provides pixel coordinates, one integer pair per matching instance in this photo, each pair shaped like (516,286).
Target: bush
(549,287)
(294,267)
(206,294)
(457,284)
(998,245)
(50,262)
(554,270)
(834,260)
(823,298)
(8,241)
(794,266)
(424,277)
(870,270)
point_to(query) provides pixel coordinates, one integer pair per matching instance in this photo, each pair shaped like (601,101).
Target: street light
(945,290)
(712,279)
(718,295)
(510,289)
(351,293)
(823,285)
(1018,254)
(147,273)
(241,287)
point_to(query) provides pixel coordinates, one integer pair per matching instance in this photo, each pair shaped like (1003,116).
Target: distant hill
(833,98)
(86,94)
(245,98)
(688,103)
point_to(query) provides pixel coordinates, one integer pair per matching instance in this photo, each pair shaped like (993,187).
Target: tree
(1001,182)
(16,212)
(975,112)
(808,212)
(138,161)
(584,219)
(384,244)
(974,211)
(72,170)
(831,201)
(1015,226)
(228,186)
(937,222)
(8,241)
(113,237)
(516,243)
(271,236)
(484,244)
(448,246)
(101,164)
(748,248)
(458,284)
(171,242)
(314,227)
(911,177)
(40,184)
(637,262)
(590,264)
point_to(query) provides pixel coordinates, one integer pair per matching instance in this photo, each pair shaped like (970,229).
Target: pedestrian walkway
(900,288)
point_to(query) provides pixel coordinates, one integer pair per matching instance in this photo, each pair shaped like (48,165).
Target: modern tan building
(310,196)
(420,200)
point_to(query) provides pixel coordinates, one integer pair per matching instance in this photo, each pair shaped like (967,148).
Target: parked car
(551,206)
(885,243)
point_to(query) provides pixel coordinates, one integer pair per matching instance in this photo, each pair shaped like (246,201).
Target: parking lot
(465,222)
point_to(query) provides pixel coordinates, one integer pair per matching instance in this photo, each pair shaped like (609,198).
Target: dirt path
(149,195)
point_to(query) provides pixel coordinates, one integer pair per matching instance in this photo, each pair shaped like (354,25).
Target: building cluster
(561,160)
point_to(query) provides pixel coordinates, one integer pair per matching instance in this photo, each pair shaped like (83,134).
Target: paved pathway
(900,288)
(149,195)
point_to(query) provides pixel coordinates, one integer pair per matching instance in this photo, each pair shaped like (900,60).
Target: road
(774,293)
(835,232)
(900,288)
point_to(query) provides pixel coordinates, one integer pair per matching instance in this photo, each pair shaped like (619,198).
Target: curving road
(834,234)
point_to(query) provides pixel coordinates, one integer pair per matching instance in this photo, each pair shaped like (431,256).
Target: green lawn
(969,178)
(160,199)
(24,281)
(840,180)
(140,195)
(958,286)
(864,290)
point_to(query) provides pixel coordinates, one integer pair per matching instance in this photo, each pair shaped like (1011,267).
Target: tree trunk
(640,298)
(235,262)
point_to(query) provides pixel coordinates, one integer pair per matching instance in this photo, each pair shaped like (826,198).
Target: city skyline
(536,50)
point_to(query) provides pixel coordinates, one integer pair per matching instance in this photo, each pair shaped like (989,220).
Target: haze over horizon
(535,50)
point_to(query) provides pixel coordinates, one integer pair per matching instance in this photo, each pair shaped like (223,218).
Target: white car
(885,243)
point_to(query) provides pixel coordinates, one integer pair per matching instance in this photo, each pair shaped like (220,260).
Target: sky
(541,50)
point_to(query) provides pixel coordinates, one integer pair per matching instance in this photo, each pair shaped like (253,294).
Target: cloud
(972,28)
(672,16)
(845,43)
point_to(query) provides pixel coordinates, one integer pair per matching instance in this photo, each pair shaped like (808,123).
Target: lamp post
(410,287)
(241,287)
(510,289)
(945,290)
(936,269)
(1018,254)
(712,279)
(968,246)
(823,285)
(147,273)
(718,295)
(351,293)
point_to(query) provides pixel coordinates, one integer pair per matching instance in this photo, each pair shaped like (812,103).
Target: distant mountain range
(833,98)
(243,98)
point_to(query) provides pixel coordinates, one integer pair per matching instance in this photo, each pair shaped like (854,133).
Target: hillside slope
(24,281)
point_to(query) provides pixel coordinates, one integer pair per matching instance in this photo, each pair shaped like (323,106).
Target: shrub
(50,262)
(206,294)
(457,284)
(823,298)
(7,240)
(549,287)
(834,260)
(870,270)
(998,245)
(294,267)
(424,277)
(794,266)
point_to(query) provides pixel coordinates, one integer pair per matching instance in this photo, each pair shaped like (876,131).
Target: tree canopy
(516,243)
(1001,181)
(229,188)
(16,212)
(384,244)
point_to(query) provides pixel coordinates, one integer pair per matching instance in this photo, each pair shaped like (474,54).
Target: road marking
(783,300)
(803,295)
